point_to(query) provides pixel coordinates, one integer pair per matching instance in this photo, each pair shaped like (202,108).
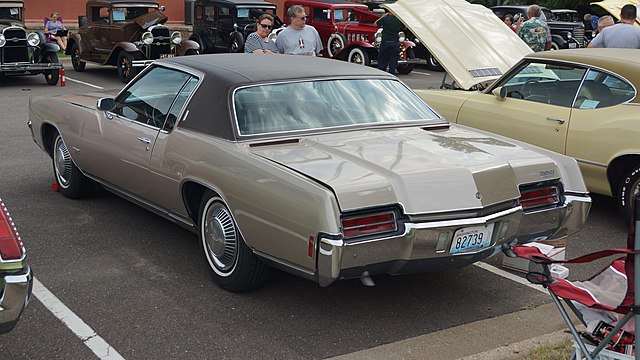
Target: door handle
(144,140)
(559,120)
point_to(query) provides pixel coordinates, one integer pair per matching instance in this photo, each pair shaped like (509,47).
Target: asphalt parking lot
(139,287)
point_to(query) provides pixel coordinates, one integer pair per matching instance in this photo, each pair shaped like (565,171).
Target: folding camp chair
(614,289)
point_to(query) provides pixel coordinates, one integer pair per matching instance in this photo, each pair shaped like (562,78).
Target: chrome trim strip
(591,162)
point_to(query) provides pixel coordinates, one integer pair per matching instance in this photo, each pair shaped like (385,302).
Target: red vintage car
(348,33)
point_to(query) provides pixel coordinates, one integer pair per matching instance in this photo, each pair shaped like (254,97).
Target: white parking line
(83,83)
(94,342)
(510,276)
(421,73)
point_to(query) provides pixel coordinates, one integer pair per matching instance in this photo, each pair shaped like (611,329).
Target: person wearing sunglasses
(299,38)
(258,42)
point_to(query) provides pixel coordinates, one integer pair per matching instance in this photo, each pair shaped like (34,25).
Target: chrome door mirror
(500,92)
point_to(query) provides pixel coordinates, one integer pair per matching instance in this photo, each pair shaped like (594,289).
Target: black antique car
(23,53)
(564,34)
(222,25)
(129,34)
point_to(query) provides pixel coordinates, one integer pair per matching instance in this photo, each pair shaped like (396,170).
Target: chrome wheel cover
(62,163)
(220,238)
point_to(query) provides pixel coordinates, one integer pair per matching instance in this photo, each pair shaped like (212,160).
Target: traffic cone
(63,81)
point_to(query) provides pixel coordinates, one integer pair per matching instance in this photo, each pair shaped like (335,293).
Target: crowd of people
(535,31)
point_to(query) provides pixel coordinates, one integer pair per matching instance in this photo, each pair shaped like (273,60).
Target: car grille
(161,42)
(578,34)
(15,50)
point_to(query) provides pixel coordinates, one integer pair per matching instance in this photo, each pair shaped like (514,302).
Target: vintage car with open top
(322,168)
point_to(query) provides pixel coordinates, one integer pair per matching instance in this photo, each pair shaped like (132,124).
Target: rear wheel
(51,76)
(433,64)
(233,265)
(77,64)
(126,71)
(335,44)
(359,56)
(236,43)
(71,182)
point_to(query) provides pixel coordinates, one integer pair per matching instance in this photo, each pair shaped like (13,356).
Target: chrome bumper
(425,247)
(26,67)
(141,63)
(14,297)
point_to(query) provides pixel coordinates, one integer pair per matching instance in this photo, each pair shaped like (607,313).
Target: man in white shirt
(299,38)
(621,35)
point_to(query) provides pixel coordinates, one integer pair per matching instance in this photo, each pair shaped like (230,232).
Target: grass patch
(560,350)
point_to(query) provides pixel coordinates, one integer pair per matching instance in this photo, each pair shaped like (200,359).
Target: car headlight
(33,39)
(378,36)
(176,37)
(401,36)
(2,40)
(569,35)
(147,38)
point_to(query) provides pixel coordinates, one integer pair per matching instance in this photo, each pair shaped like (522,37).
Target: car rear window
(313,105)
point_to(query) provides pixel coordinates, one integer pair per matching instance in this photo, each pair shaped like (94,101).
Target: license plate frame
(471,239)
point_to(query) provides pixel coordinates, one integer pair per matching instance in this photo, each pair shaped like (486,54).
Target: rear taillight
(11,247)
(369,224)
(536,197)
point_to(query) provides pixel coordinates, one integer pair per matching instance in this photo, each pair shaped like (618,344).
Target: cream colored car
(326,169)
(582,103)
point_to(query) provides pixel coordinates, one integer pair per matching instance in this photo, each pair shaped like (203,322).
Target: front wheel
(628,187)
(51,76)
(126,71)
(408,67)
(233,265)
(358,56)
(71,182)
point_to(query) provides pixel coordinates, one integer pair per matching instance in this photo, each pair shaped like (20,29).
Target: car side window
(547,83)
(149,99)
(321,15)
(600,90)
(178,104)
(224,15)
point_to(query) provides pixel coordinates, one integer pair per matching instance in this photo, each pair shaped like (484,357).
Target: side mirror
(500,93)
(106,104)
(161,8)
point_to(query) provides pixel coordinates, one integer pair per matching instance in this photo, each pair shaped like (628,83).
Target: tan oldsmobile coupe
(322,168)
(582,103)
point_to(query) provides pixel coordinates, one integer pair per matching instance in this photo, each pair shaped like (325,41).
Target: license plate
(572,46)
(471,238)
(164,56)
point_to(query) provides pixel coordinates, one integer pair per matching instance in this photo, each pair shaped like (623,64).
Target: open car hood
(613,7)
(471,43)
(149,19)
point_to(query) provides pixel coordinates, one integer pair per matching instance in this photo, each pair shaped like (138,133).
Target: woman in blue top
(258,42)
(51,28)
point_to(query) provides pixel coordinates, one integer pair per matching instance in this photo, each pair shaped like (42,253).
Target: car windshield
(129,13)
(10,13)
(252,13)
(309,105)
